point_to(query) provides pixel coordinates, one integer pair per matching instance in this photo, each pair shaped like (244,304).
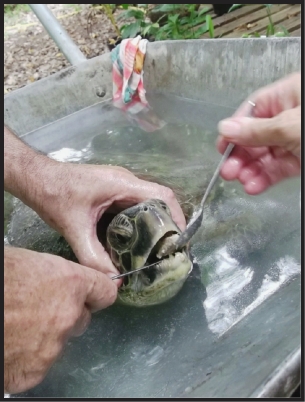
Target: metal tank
(234,328)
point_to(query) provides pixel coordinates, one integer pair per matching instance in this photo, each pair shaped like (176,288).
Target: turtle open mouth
(154,255)
(168,262)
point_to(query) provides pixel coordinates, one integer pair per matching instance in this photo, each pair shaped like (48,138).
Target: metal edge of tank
(88,83)
(223,61)
(284,380)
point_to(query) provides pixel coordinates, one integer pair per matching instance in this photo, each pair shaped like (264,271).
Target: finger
(169,198)
(221,144)
(274,98)
(240,158)
(249,172)
(143,190)
(94,255)
(100,291)
(82,323)
(231,168)
(90,252)
(260,175)
(257,184)
(255,132)
(250,152)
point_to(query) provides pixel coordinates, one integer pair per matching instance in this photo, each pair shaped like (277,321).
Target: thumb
(90,252)
(280,130)
(100,291)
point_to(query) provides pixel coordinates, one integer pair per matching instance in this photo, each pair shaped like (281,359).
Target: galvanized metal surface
(209,70)
(70,50)
(285,379)
(256,357)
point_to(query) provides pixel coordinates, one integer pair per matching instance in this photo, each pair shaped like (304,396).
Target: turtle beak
(152,225)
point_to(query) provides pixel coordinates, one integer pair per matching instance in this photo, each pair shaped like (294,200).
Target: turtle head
(134,239)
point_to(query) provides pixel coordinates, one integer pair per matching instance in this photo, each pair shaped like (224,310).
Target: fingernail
(111,274)
(229,128)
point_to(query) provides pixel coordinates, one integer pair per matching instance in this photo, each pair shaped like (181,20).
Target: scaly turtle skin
(134,238)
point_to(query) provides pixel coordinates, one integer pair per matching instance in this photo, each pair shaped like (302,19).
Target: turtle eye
(121,238)
(119,233)
(165,207)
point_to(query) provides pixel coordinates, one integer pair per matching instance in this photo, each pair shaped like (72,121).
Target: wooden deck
(254,18)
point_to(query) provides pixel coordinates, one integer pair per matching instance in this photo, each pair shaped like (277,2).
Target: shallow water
(242,294)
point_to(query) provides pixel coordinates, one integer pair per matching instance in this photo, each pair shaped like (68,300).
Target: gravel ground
(30,54)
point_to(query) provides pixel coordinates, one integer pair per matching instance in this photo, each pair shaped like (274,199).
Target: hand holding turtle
(47,299)
(71,198)
(267,146)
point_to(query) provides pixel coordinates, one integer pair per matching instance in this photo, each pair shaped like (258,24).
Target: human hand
(72,198)
(76,196)
(47,299)
(267,146)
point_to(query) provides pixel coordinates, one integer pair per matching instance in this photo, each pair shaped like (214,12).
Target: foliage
(15,8)
(179,21)
(141,25)
(108,10)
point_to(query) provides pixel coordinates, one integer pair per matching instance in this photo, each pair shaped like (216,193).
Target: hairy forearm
(25,170)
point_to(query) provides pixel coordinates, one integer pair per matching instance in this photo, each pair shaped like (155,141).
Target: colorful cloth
(128,89)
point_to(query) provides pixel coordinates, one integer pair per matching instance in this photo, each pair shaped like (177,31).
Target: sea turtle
(230,217)
(134,239)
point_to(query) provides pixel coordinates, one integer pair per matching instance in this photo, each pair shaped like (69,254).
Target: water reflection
(247,250)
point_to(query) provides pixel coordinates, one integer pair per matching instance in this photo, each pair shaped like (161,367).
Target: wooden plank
(230,20)
(247,19)
(234,15)
(256,25)
(290,24)
(293,23)
(297,33)
(210,11)
(262,24)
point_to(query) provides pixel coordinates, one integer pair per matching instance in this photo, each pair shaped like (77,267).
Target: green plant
(210,25)
(180,21)
(270,27)
(16,8)
(108,10)
(141,26)
(13,12)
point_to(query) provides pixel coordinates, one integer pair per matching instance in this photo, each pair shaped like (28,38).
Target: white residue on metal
(230,279)
(287,267)
(70,155)
(155,356)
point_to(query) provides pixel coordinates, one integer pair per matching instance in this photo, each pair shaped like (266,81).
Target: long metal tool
(135,270)
(196,221)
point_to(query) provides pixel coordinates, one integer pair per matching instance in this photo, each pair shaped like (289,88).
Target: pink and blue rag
(128,89)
